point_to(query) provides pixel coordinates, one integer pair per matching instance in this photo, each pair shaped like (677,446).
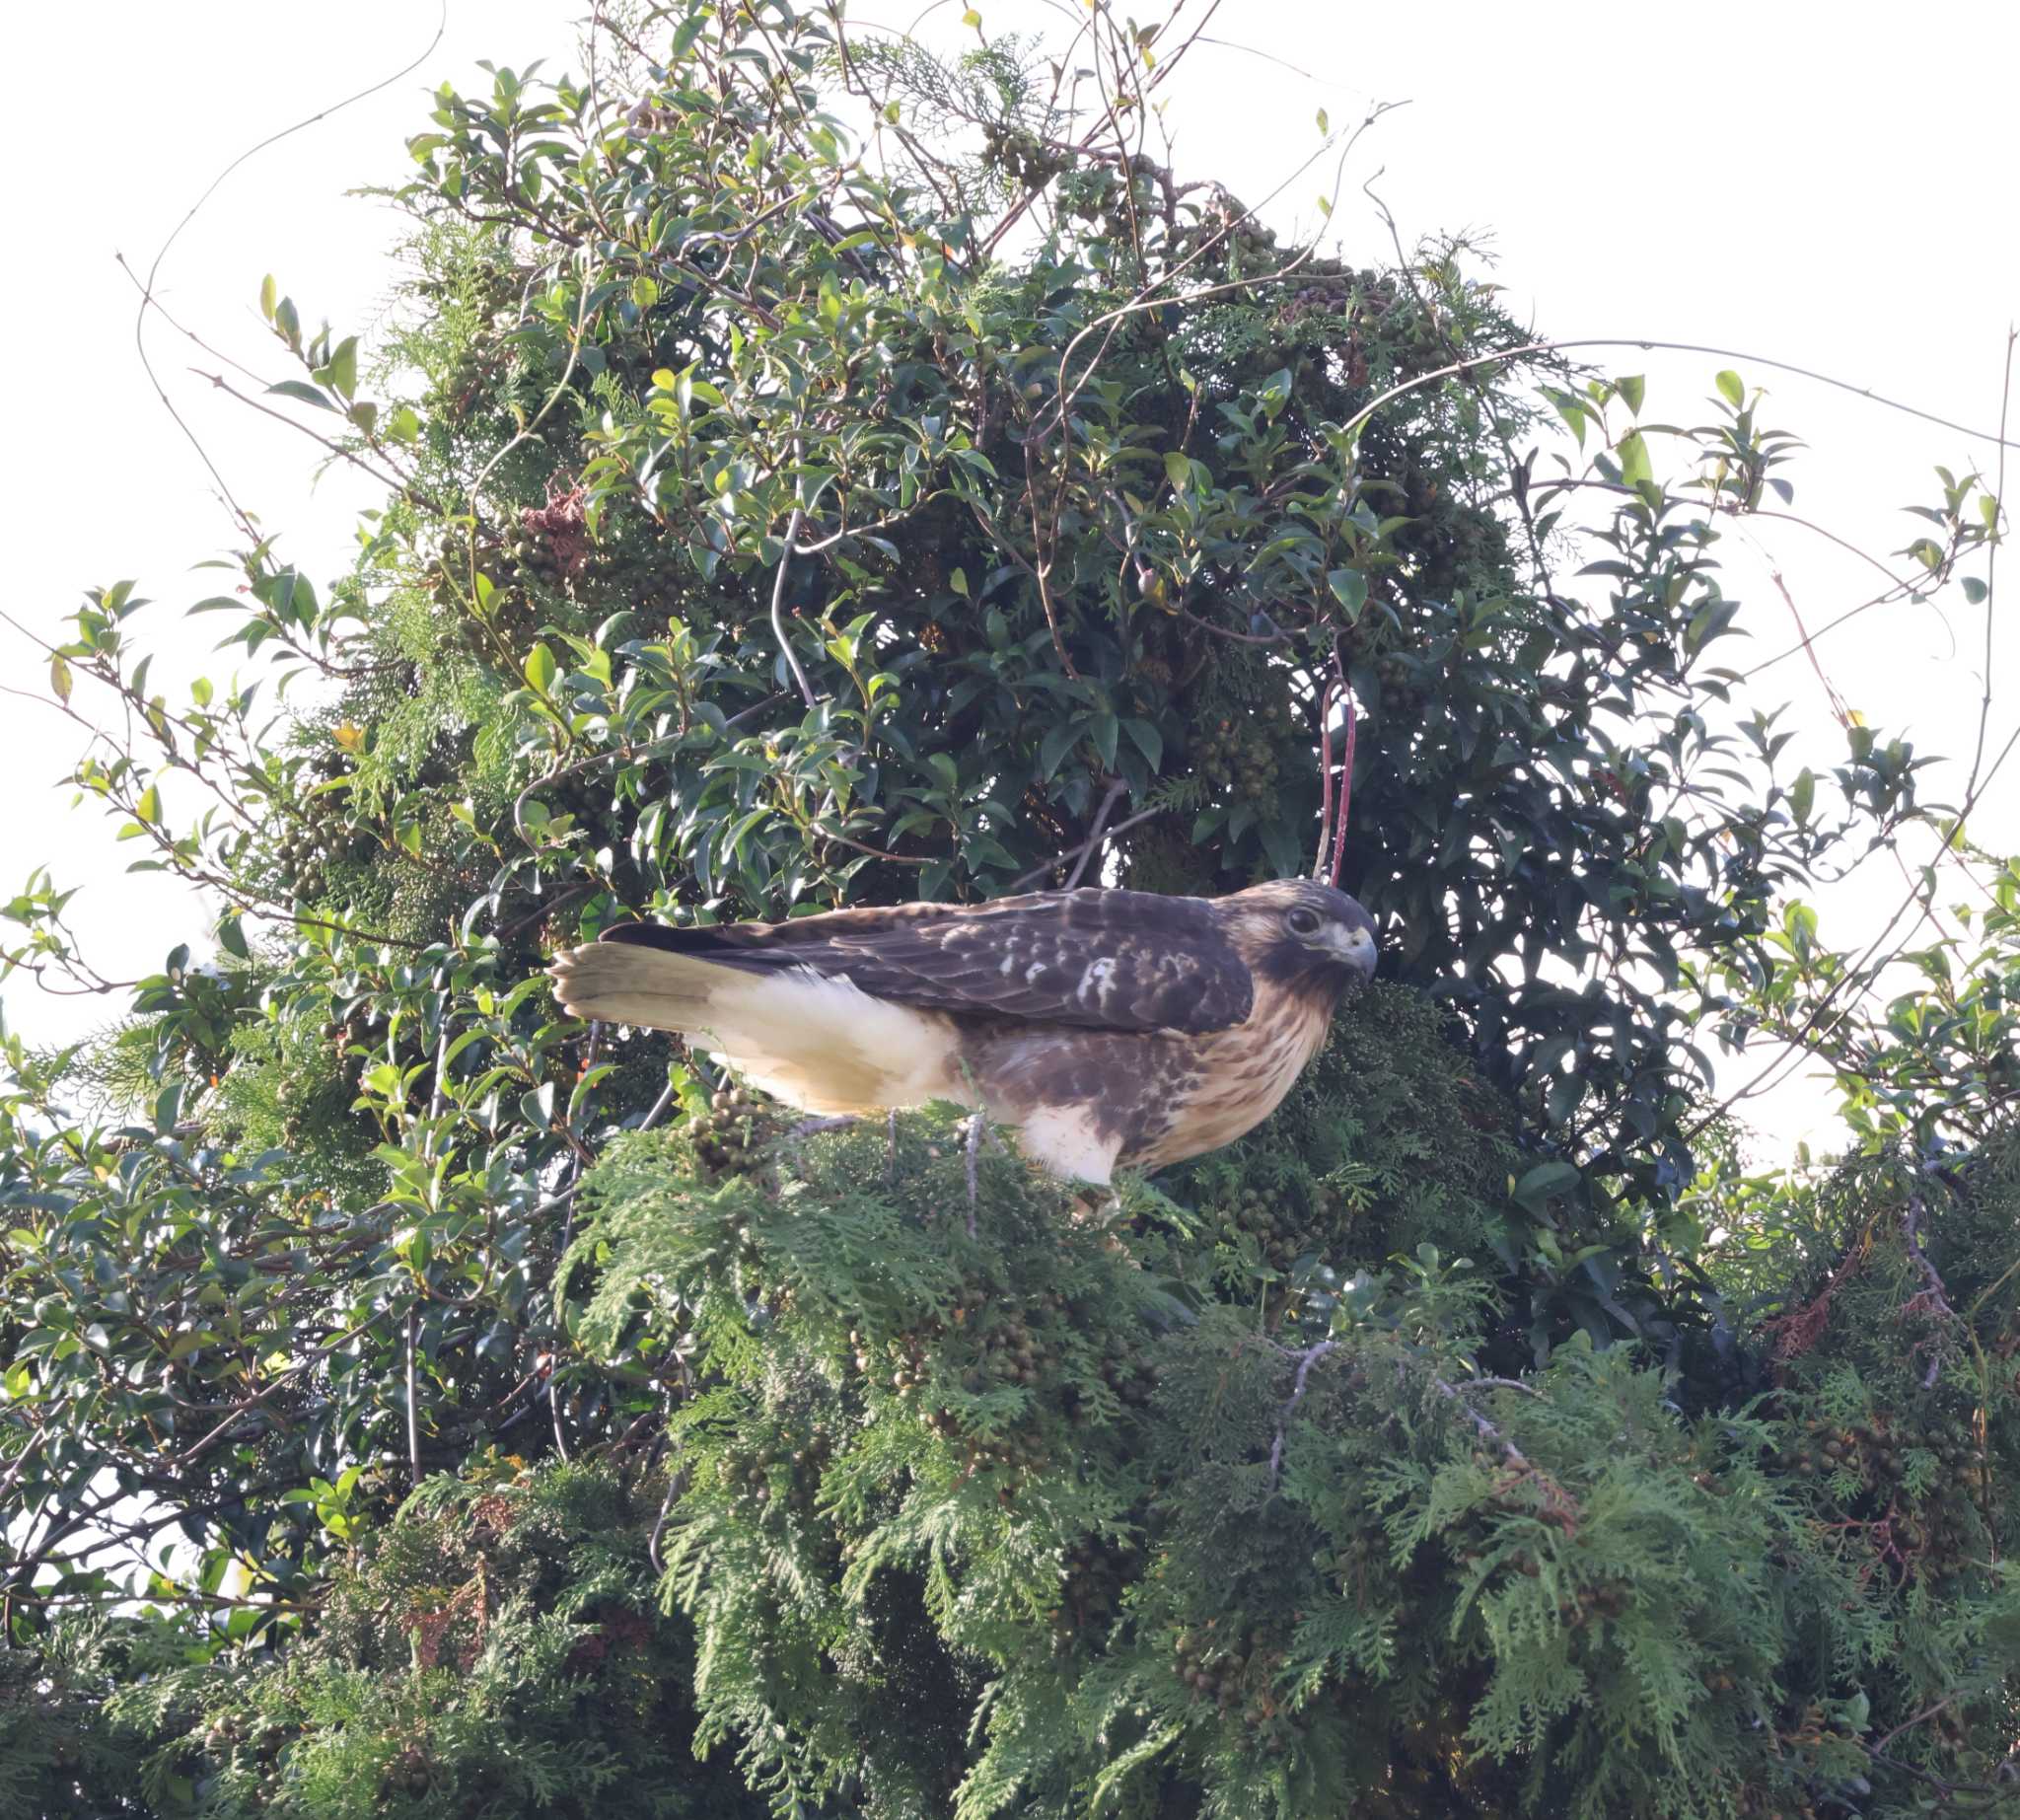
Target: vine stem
(1460,367)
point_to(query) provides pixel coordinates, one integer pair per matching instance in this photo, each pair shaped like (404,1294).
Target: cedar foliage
(516,1420)
(991,1523)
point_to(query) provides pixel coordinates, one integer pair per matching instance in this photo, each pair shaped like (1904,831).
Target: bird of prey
(1109,1028)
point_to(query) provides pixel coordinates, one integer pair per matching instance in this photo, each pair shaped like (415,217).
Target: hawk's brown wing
(1110,959)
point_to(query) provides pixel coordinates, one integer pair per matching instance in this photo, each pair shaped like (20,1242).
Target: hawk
(1109,1028)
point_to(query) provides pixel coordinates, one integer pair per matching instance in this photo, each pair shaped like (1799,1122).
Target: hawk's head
(1301,935)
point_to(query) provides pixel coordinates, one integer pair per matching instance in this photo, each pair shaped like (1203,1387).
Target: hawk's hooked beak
(1354,947)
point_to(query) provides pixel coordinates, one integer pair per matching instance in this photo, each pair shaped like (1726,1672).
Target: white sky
(1833,185)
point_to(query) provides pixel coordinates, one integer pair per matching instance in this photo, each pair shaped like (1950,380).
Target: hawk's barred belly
(1109,1027)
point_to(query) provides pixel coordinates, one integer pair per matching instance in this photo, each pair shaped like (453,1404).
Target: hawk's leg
(891,1145)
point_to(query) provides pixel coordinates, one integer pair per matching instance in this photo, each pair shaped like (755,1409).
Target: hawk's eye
(1301,921)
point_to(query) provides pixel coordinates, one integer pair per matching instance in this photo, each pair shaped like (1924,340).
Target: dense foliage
(819,473)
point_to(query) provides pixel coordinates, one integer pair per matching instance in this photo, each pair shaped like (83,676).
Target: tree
(817,473)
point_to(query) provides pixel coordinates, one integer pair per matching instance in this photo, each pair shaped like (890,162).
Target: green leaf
(343,367)
(1633,388)
(1635,468)
(539,667)
(1974,589)
(269,295)
(301,390)
(231,937)
(1178,470)
(1731,389)
(537,1107)
(59,676)
(1147,740)
(688,30)
(1055,746)
(1325,124)
(149,807)
(1350,589)
(1802,795)
(1544,1181)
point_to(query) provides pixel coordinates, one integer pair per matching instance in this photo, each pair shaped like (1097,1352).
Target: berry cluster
(1277,1236)
(1934,1532)
(1240,756)
(774,1473)
(1236,1674)
(731,1136)
(1091,1581)
(317,835)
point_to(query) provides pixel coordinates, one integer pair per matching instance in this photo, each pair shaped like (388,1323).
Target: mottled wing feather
(1105,959)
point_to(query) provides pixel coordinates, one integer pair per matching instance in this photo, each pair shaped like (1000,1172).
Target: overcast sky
(1831,186)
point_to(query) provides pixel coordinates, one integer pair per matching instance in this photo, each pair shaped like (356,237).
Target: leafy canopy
(819,473)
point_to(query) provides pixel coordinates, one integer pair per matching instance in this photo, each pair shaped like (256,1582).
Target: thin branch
(414,1417)
(147,290)
(220,383)
(1458,368)
(785,558)
(1073,852)
(1306,1360)
(677,1484)
(1087,848)
(1984,709)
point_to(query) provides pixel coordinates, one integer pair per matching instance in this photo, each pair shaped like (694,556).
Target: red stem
(1324,781)
(1346,787)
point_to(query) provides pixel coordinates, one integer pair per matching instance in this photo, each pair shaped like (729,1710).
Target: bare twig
(1306,1360)
(413,1412)
(973,1149)
(1475,362)
(785,559)
(1984,709)
(1933,1297)
(1093,841)
(1072,852)
(676,1485)
(813,1127)
(147,289)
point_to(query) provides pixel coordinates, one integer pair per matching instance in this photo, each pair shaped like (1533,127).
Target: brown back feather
(1105,959)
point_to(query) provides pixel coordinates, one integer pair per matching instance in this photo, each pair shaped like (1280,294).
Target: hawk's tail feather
(620,985)
(816,1042)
